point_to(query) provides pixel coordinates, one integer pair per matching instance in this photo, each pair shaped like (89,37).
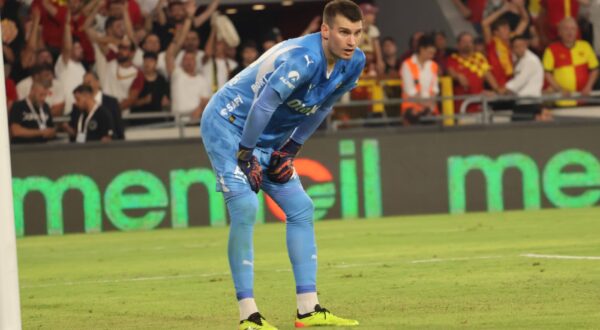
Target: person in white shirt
(56,96)
(419,75)
(69,70)
(151,44)
(527,81)
(190,92)
(217,67)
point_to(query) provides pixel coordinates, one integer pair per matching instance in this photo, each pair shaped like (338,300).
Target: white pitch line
(552,256)
(176,277)
(135,279)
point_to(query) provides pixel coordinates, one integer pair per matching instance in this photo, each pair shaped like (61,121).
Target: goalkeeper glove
(281,164)
(249,164)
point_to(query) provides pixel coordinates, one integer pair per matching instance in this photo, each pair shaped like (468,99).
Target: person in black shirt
(30,119)
(108,102)
(248,54)
(155,94)
(90,121)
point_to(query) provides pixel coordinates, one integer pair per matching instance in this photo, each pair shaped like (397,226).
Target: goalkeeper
(254,127)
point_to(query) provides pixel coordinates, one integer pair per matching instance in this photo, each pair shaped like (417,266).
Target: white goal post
(10,309)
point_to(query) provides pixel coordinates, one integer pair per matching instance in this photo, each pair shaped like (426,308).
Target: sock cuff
(244,295)
(306,289)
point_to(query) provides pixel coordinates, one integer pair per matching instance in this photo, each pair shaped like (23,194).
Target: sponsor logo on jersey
(300,107)
(292,77)
(232,105)
(308,60)
(258,85)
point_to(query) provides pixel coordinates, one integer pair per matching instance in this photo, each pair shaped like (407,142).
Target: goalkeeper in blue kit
(254,127)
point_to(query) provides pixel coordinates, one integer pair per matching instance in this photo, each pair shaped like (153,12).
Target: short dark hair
(41,68)
(93,74)
(151,55)
(519,37)
(109,22)
(500,22)
(462,35)
(346,8)
(425,41)
(390,39)
(83,89)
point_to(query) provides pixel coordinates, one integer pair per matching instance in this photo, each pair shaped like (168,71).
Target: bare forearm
(592,79)
(17,130)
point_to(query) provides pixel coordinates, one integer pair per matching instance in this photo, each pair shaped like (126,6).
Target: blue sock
(242,212)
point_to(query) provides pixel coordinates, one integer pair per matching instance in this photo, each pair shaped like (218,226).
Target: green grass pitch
(425,272)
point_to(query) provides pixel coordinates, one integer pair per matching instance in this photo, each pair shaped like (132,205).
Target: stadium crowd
(97,59)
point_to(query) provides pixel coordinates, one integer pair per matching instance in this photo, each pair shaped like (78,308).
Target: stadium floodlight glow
(258,7)
(287,3)
(231,11)
(10,310)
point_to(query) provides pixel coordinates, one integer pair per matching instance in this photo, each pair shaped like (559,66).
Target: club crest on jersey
(292,77)
(297,105)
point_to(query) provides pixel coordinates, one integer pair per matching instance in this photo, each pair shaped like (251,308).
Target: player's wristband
(291,147)
(244,153)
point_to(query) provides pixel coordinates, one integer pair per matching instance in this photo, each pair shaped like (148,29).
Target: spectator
(53,15)
(155,94)
(570,64)
(30,119)
(151,44)
(528,80)
(248,54)
(69,69)
(123,80)
(55,95)
(108,102)
(469,70)
(420,80)
(176,14)
(189,90)
(370,40)
(90,121)
(552,13)
(390,58)
(217,67)
(271,38)
(497,34)
(11,89)
(442,50)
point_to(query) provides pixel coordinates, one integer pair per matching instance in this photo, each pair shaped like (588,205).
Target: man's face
(519,47)
(74,5)
(149,65)
(465,44)
(191,42)
(90,80)
(44,75)
(151,44)
(44,57)
(369,18)
(188,63)
(38,95)
(77,52)
(177,12)
(117,29)
(427,53)
(81,101)
(567,31)
(389,48)
(503,32)
(249,54)
(342,37)
(440,41)
(124,54)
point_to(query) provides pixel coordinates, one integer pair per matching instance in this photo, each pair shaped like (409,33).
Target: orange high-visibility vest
(416,74)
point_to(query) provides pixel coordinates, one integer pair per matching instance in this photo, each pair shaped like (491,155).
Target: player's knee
(303,211)
(242,207)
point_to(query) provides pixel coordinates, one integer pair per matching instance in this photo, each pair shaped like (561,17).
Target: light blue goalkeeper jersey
(296,69)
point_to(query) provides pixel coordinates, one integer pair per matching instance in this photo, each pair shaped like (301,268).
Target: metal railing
(485,116)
